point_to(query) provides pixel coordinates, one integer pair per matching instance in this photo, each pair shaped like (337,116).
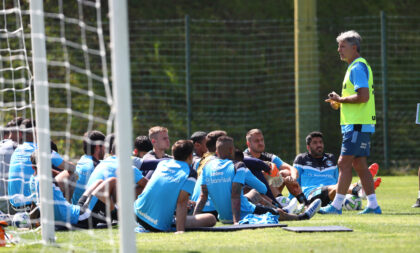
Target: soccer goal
(55,59)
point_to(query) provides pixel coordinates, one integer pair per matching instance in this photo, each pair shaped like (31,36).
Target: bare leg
(67,182)
(419,179)
(106,192)
(200,220)
(345,176)
(361,167)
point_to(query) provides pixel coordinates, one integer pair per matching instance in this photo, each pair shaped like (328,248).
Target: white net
(80,101)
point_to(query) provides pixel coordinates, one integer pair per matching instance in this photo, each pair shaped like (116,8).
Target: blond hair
(154,131)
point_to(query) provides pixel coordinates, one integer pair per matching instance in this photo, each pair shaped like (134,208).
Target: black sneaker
(417,204)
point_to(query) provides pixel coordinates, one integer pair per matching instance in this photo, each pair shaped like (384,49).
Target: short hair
(92,139)
(313,135)
(182,149)
(252,132)
(198,136)
(34,158)
(153,131)
(15,122)
(27,125)
(239,155)
(54,147)
(212,138)
(13,125)
(223,145)
(109,143)
(352,37)
(143,143)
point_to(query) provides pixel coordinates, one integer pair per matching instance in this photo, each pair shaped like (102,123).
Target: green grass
(396,230)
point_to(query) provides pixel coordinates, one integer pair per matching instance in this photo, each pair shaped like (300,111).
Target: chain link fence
(241,76)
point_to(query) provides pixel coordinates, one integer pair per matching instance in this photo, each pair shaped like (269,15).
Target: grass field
(396,230)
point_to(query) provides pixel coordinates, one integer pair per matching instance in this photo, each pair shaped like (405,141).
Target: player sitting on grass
(256,148)
(94,149)
(223,181)
(12,137)
(142,146)
(318,171)
(20,170)
(107,169)
(66,213)
(199,140)
(168,192)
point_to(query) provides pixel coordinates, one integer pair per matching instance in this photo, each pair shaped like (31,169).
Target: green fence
(241,76)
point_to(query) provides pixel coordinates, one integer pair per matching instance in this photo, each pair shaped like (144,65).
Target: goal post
(42,118)
(123,121)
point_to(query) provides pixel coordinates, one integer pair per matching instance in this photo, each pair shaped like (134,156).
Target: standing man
(417,204)
(357,120)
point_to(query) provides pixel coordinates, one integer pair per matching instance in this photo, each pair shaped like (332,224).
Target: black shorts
(319,193)
(260,209)
(147,226)
(98,215)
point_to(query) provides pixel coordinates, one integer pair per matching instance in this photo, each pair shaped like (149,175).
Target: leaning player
(65,213)
(20,170)
(357,120)
(223,181)
(94,149)
(168,192)
(256,149)
(318,171)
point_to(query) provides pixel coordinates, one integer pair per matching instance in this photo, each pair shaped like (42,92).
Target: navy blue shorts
(356,143)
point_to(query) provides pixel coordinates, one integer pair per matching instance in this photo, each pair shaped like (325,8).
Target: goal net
(80,100)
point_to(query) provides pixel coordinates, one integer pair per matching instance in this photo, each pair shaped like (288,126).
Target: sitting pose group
(205,179)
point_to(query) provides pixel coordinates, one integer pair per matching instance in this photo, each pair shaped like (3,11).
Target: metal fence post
(187,74)
(384,89)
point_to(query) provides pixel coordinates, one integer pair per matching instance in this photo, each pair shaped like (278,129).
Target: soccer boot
(329,209)
(373,168)
(368,210)
(311,210)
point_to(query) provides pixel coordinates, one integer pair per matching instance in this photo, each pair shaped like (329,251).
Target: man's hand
(334,97)
(289,179)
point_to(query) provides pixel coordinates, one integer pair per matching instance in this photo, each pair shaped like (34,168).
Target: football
(352,202)
(21,220)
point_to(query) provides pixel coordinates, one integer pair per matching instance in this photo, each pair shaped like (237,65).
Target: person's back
(7,147)
(94,149)
(218,176)
(156,205)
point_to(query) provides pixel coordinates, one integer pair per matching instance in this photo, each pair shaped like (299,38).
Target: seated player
(417,204)
(167,194)
(142,145)
(20,170)
(65,213)
(12,137)
(160,140)
(318,171)
(106,169)
(223,181)
(94,149)
(256,149)
(199,140)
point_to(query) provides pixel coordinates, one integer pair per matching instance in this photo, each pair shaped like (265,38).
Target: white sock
(338,201)
(371,201)
(419,195)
